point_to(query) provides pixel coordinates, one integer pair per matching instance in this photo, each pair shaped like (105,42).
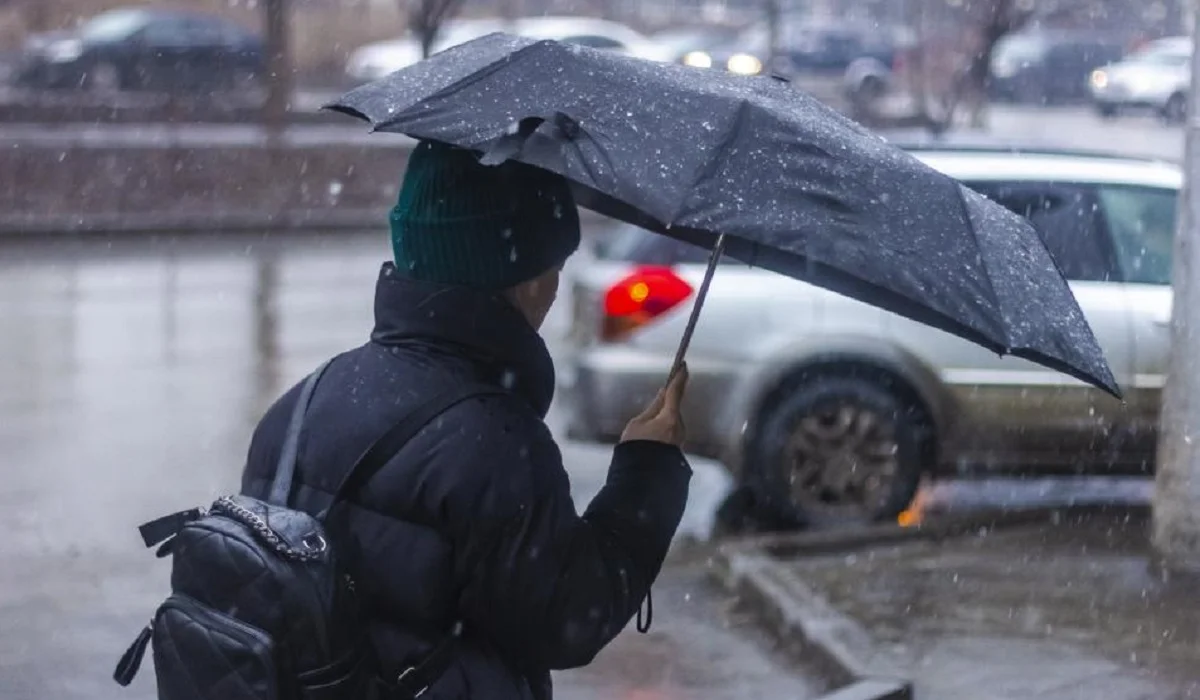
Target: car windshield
(1020,49)
(804,35)
(461,32)
(113,26)
(696,38)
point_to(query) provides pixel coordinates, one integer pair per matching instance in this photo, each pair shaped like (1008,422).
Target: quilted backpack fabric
(263,603)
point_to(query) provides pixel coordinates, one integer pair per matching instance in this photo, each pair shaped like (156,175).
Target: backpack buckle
(314,542)
(161,529)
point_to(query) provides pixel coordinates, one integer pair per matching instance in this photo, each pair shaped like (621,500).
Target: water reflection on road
(134,369)
(138,364)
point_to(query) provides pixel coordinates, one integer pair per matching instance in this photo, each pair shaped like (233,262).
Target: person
(472,522)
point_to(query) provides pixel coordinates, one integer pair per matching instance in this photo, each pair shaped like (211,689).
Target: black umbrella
(782,181)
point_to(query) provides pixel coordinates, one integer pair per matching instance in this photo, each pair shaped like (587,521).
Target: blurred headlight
(64,51)
(744,64)
(698,59)
(1099,79)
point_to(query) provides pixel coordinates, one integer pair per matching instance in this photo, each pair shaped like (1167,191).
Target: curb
(810,629)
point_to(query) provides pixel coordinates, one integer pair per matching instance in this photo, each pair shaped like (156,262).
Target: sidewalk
(1069,607)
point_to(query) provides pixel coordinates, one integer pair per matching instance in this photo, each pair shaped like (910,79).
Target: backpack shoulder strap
(386,447)
(285,469)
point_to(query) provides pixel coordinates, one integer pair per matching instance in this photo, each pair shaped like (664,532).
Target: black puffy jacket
(473,520)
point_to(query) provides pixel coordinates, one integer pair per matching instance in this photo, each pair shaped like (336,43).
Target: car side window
(208,33)
(166,32)
(1068,219)
(1142,223)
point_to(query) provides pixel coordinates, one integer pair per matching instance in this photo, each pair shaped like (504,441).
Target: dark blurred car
(144,49)
(1045,67)
(681,42)
(805,48)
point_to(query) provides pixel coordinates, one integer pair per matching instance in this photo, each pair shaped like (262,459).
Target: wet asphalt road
(133,372)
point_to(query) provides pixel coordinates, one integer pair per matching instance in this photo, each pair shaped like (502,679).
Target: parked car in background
(1158,76)
(830,411)
(374,61)
(1049,66)
(680,42)
(137,48)
(805,48)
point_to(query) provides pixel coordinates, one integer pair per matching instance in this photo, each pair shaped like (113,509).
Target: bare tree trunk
(426,18)
(38,15)
(1177,479)
(996,19)
(279,69)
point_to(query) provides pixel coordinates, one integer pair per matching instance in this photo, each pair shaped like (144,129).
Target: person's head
(506,229)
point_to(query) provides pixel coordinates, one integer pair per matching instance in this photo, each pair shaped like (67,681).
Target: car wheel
(1176,108)
(838,451)
(872,88)
(104,78)
(1106,111)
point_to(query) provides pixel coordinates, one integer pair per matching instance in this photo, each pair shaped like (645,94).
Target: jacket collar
(481,327)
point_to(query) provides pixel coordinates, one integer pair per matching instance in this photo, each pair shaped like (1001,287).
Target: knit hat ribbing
(492,227)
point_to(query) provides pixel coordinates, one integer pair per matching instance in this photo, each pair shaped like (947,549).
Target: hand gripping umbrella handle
(718,249)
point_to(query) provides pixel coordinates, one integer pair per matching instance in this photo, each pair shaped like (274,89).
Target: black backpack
(263,603)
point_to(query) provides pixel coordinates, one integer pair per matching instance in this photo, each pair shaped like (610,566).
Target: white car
(374,61)
(1158,77)
(830,410)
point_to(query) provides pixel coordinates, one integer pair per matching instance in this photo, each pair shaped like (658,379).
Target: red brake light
(639,298)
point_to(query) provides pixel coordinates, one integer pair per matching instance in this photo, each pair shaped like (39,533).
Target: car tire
(1176,109)
(1031,94)
(1106,111)
(857,450)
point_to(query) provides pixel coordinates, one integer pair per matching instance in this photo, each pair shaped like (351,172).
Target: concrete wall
(51,188)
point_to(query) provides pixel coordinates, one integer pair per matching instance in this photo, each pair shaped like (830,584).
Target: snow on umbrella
(780,180)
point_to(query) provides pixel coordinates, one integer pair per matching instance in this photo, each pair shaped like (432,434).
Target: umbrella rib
(987,273)
(710,166)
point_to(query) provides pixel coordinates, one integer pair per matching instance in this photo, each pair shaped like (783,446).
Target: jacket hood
(480,326)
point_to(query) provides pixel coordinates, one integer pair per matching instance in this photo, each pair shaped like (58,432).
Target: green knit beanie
(462,223)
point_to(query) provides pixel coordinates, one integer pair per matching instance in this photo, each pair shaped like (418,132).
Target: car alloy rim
(842,461)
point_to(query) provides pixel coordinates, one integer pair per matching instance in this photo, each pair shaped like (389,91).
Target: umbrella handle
(686,340)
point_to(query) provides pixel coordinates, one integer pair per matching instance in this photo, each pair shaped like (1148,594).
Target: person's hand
(661,421)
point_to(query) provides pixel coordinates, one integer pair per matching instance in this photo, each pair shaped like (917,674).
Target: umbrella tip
(342,108)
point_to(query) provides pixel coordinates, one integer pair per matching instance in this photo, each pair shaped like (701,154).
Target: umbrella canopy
(794,186)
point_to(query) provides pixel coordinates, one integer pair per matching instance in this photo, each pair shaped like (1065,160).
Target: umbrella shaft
(718,249)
